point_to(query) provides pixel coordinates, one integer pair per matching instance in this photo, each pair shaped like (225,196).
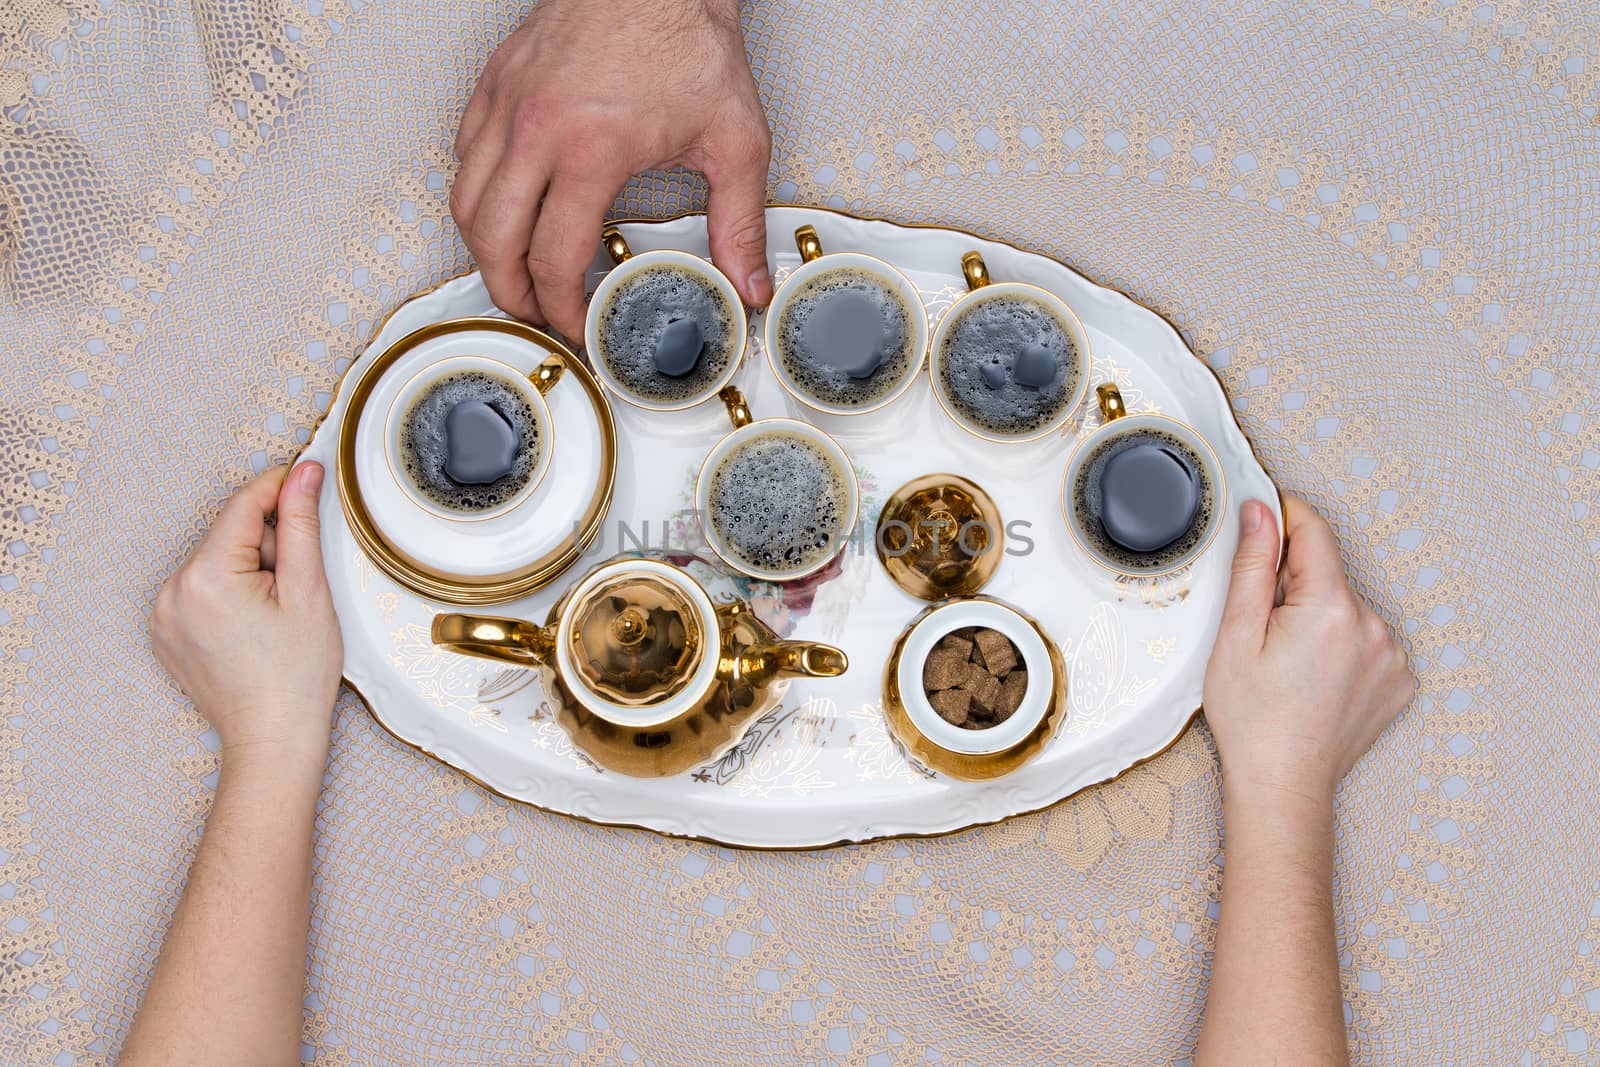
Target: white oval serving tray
(821,768)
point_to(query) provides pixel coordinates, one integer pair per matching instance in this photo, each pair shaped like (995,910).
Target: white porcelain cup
(1119,424)
(982,290)
(745,430)
(531,388)
(628,267)
(818,266)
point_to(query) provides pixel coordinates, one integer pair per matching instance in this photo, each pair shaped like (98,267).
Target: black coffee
(1143,499)
(471,441)
(778,503)
(845,338)
(666,334)
(1008,365)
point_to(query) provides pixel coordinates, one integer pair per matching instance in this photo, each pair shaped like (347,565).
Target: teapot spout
(809,658)
(493,637)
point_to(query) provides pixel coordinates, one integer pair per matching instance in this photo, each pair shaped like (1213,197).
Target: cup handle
(738,409)
(1111,406)
(974,270)
(549,373)
(493,637)
(616,245)
(806,240)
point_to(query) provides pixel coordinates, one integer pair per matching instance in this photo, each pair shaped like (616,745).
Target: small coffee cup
(846,332)
(417,459)
(777,498)
(1143,495)
(665,329)
(1009,360)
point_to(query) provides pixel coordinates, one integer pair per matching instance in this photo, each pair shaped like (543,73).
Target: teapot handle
(493,637)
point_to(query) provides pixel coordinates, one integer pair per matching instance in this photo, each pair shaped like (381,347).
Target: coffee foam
(778,502)
(638,310)
(992,332)
(425,445)
(1086,500)
(811,373)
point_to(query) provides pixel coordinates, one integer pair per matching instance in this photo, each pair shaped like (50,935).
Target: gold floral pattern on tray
(875,752)
(550,737)
(439,678)
(1101,683)
(780,751)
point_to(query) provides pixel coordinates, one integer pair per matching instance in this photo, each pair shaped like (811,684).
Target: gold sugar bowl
(645,673)
(963,639)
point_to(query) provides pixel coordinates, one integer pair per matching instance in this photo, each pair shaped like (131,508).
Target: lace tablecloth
(1377,221)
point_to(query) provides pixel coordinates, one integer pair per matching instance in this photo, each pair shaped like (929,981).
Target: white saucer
(508,555)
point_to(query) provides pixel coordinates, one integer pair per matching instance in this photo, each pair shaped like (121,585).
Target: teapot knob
(630,626)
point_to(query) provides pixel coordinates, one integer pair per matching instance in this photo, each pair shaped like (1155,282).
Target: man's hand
(582,96)
(1298,688)
(246,625)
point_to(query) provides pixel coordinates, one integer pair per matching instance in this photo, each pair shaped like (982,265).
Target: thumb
(736,213)
(1254,584)
(299,532)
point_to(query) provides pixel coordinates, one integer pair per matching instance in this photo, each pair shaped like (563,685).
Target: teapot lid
(635,638)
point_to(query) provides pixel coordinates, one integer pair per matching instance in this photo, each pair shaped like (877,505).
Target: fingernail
(1250,515)
(760,285)
(313,477)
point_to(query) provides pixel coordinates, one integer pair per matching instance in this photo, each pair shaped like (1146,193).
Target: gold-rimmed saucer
(400,554)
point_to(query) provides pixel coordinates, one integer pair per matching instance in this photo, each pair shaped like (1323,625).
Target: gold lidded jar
(989,752)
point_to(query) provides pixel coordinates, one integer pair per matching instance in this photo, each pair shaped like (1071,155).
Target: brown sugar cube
(972,674)
(955,642)
(944,670)
(952,704)
(985,694)
(999,654)
(1012,690)
(962,674)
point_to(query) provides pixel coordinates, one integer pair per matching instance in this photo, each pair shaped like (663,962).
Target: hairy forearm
(228,987)
(1274,995)
(667,13)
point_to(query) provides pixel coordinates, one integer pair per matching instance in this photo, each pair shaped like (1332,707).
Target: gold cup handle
(974,270)
(738,408)
(493,637)
(615,244)
(548,374)
(806,240)
(1111,406)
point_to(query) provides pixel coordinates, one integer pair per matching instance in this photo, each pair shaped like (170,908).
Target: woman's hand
(1303,678)
(582,96)
(246,625)
(1298,687)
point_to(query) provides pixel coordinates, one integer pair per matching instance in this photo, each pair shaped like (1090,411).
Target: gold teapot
(645,673)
